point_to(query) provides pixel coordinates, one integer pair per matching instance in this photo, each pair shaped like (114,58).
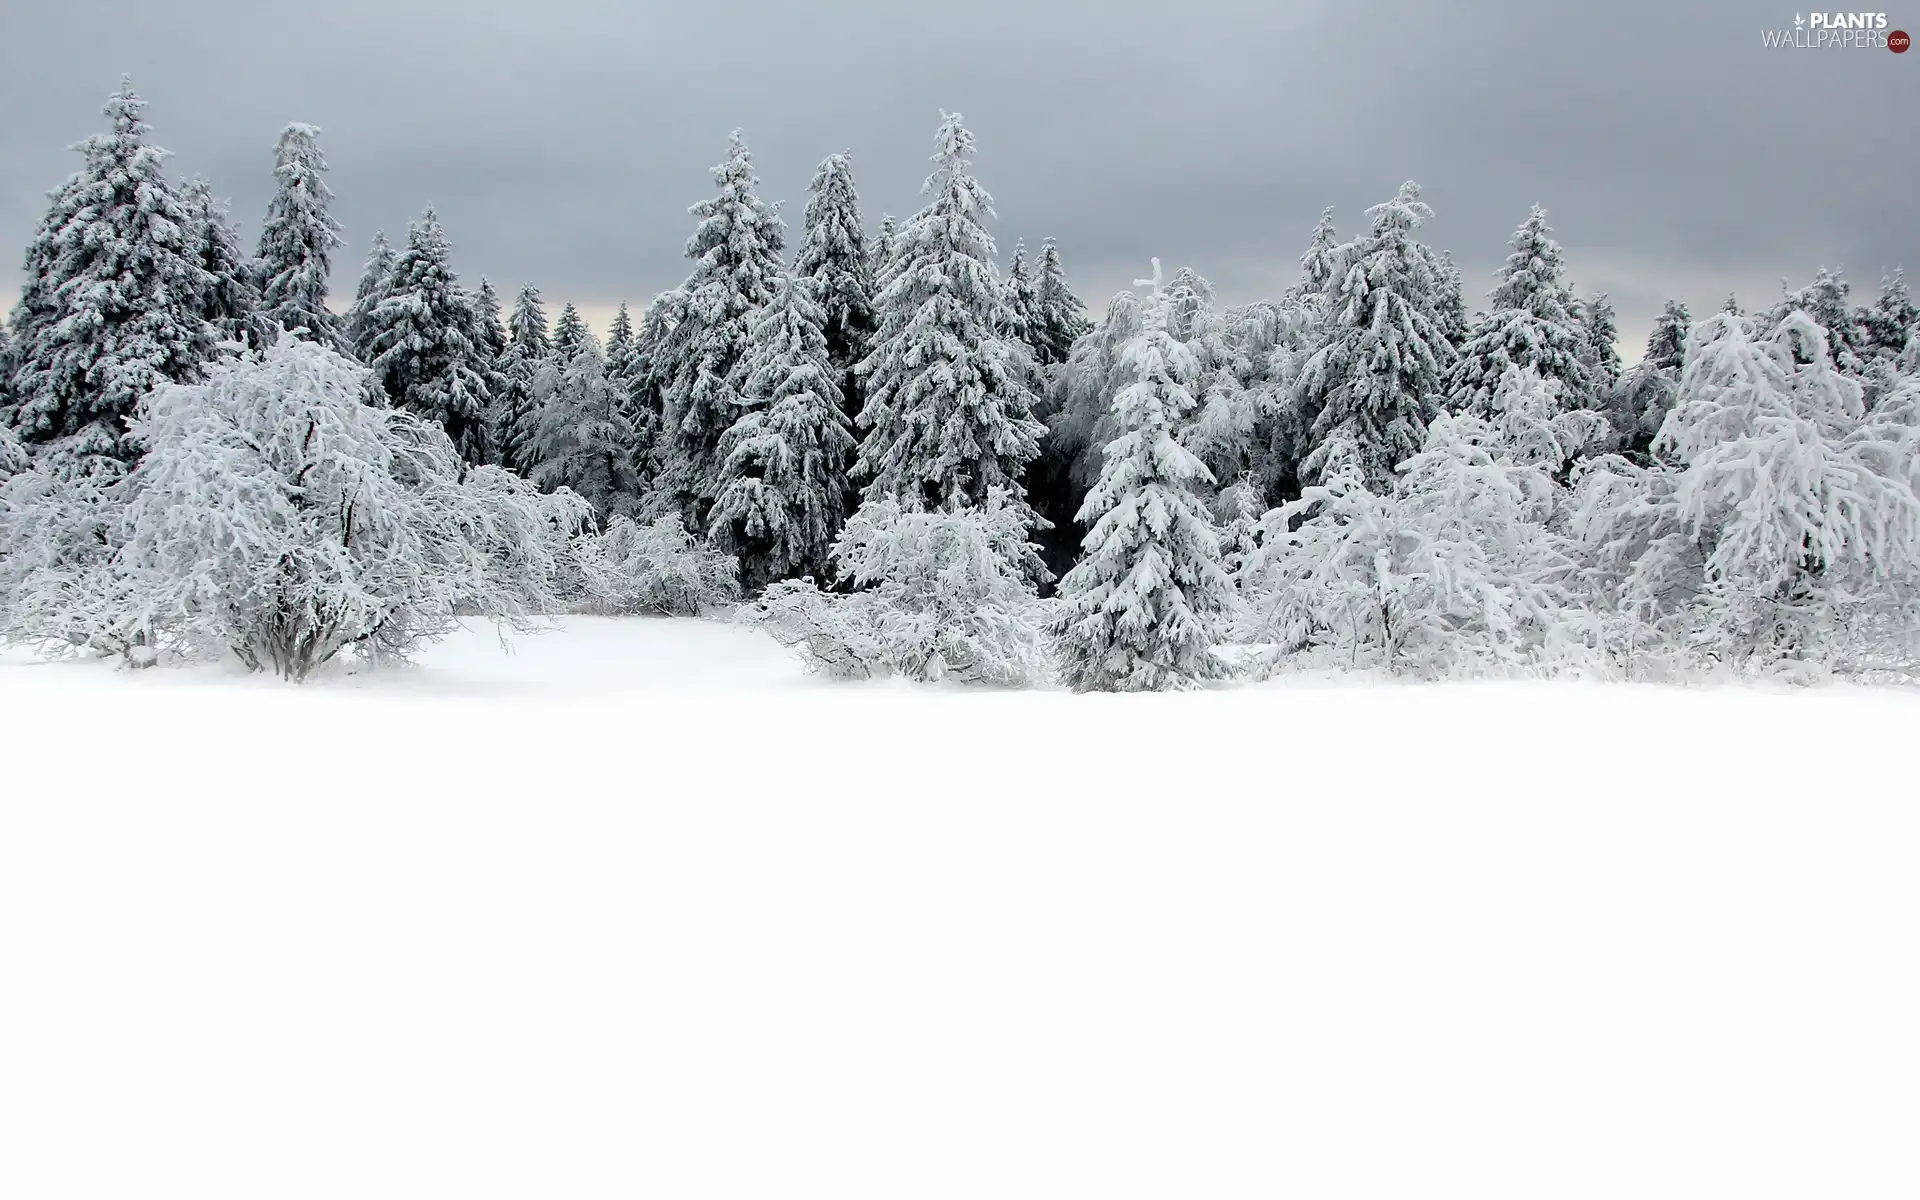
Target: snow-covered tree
(1531,325)
(1599,348)
(1241,537)
(1320,265)
(116,310)
(1892,321)
(1140,612)
(1083,420)
(882,252)
(1667,344)
(1018,315)
(569,333)
(584,439)
(421,342)
(1365,391)
(231,303)
(1825,302)
(516,413)
(1450,304)
(490,332)
(375,278)
(658,570)
(783,479)
(948,413)
(736,255)
(833,253)
(620,341)
(297,241)
(1059,316)
(647,382)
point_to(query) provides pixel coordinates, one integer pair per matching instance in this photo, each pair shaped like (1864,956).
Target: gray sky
(563,141)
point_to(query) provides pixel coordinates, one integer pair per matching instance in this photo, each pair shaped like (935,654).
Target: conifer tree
(1019,301)
(1060,316)
(1600,351)
(646,384)
(374,278)
(584,440)
(231,303)
(1320,264)
(620,346)
(1531,326)
(1667,344)
(1140,610)
(489,337)
(297,242)
(421,340)
(1368,386)
(34,312)
(116,307)
(516,415)
(882,253)
(833,253)
(1825,300)
(736,255)
(487,325)
(1892,321)
(783,480)
(569,334)
(948,416)
(1732,306)
(1450,304)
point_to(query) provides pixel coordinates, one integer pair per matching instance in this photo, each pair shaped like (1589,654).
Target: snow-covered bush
(941,595)
(277,515)
(658,569)
(1455,572)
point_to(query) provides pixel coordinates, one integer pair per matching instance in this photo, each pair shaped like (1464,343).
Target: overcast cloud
(562,142)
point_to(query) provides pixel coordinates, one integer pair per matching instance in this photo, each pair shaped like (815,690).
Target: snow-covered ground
(642,911)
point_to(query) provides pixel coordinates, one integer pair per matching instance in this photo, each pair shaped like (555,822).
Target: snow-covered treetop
(1531,279)
(740,237)
(299,237)
(1319,264)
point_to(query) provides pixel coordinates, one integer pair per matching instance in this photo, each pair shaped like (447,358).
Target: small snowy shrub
(58,588)
(659,569)
(832,634)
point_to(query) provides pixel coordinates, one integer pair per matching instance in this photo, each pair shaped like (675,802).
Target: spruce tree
(783,479)
(1019,301)
(882,250)
(422,343)
(1450,304)
(297,242)
(584,440)
(1531,326)
(1140,611)
(375,276)
(489,338)
(620,345)
(569,334)
(833,253)
(231,303)
(1061,317)
(1366,390)
(115,309)
(1600,351)
(1891,322)
(1321,262)
(1825,300)
(646,384)
(34,312)
(516,415)
(736,255)
(1667,344)
(948,416)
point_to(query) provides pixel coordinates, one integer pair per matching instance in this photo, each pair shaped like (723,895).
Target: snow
(532,925)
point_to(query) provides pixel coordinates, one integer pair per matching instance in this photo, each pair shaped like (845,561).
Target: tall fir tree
(422,344)
(882,252)
(834,255)
(1893,319)
(1320,265)
(1531,326)
(1825,300)
(948,416)
(1379,363)
(584,440)
(297,242)
(647,383)
(620,345)
(1599,342)
(1667,344)
(231,303)
(1450,304)
(783,478)
(116,308)
(489,337)
(1019,300)
(375,277)
(516,414)
(569,333)
(1140,611)
(1060,316)
(736,255)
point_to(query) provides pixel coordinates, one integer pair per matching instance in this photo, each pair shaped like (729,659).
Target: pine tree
(620,346)
(297,241)
(231,304)
(374,280)
(646,383)
(833,253)
(1732,306)
(783,480)
(948,416)
(1019,301)
(1320,265)
(489,338)
(1825,300)
(1892,320)
(584,440)
(1667,344)
(35,311)
(736,255)
(1600,351)
(1060,315)
(421,340)
(1450,305)
(882,253)
(1531,326)
(115,310)
(1369,384)
(1140,611)
(569,334)
(516,415)
(486,311)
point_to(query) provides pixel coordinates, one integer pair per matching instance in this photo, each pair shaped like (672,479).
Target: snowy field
(640,910)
